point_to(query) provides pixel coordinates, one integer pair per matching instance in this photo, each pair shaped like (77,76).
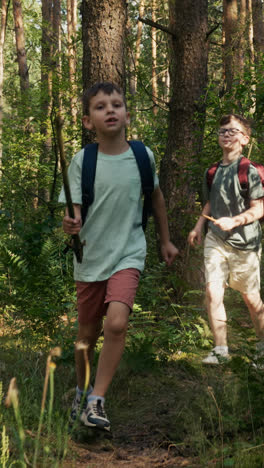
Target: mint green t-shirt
(113,234)
(227,198)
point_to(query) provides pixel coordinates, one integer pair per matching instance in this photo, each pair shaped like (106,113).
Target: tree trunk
(46,91)
(103,27)
(258,41)
(251,52)
(242,40)
(189,53)
(4,10)
(56,69)
(20,46)
(141,10)
(230,56)
(258,26)
(154,58)
(72,27)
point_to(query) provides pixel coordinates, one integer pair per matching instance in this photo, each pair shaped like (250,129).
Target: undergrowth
(161,389)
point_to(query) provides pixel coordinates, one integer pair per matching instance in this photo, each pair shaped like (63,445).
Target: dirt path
(112,454)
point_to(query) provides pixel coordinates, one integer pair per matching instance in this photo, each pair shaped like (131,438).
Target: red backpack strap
(242,170)
(260,169)
(211,173)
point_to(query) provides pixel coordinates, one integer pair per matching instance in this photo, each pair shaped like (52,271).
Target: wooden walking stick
(76,245)
(208,217)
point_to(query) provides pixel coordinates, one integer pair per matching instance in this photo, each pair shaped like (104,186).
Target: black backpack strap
(146,175)
(88,177)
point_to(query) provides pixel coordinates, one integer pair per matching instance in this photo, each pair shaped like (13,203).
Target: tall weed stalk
(12,399)
(49,370)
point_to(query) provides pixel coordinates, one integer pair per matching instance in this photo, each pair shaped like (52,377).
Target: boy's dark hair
(106,87)
(242,120)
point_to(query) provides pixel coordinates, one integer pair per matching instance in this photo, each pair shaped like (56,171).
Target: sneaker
(78,405)
(216,356)
(95,416)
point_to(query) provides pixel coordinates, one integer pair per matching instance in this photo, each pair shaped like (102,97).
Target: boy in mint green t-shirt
(232,245)
(115,245)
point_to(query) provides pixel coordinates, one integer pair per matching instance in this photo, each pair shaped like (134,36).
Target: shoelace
(98,409)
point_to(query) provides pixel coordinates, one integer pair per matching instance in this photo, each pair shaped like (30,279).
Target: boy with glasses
(232,246)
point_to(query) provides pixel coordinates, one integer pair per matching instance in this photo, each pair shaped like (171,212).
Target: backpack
(242,169)
(89,170)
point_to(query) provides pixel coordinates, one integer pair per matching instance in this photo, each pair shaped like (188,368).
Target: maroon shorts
(93,298)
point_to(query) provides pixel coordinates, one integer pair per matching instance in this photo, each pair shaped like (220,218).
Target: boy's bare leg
(88,333)
(115,328)
(216,312)
(256,309)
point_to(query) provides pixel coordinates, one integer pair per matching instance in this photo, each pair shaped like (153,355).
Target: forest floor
(145,433)
(165,412)
(179,413)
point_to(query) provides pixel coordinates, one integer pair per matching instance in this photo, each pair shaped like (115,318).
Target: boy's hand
(226,224)
(169,252)
(71,225)
(194,237)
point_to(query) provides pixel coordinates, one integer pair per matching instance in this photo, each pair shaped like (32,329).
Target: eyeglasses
(230,131)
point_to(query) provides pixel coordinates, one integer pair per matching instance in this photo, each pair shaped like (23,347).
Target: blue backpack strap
(88,177)
(146,175)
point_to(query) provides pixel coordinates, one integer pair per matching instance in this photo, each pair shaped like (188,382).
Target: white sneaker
(95,415)
(216,356)
(78,405)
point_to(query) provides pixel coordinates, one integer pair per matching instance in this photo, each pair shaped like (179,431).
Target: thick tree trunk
(20,46)
(189,52)
(258,41)
(258,26)
(103,27)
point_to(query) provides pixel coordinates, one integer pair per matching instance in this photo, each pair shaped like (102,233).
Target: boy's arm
(255,212)
(195,236)
(168,250)
(72,225)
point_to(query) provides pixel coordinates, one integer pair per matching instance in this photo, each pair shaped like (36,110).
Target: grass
(162,397)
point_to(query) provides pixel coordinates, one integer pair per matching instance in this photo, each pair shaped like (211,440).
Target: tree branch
(153,24)
(212,30)
(76,244)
